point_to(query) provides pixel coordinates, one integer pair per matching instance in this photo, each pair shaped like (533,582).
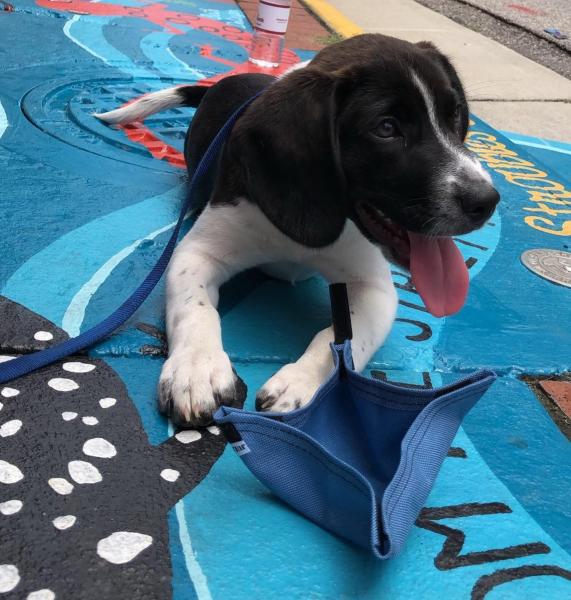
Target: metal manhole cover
(64,108)
(554,265)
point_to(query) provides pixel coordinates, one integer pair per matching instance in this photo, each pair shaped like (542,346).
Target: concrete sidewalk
(506,89)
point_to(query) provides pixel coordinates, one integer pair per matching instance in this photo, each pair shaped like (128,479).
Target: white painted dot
(170,474)
(11,507)
(99,448)
(122,546)
(64,522)
(84,472)
(44,594)
(186,436)
(10,428)
(9,473)
(89,420)
(9,392)
(9,578)
(43,336)
(62,385)
(6,358)
(68,416)
(214,430)
(60,485)
(107,402)
(77,367)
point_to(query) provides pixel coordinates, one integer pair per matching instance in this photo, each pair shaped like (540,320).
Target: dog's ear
(288,150)
(444,62)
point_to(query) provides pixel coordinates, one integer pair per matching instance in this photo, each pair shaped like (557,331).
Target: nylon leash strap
(23,365)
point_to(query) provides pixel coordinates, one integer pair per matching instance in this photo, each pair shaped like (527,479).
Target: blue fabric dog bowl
(361,458)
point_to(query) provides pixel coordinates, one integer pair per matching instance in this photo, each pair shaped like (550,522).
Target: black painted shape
(413,305)
(450,556)
(425,330)
(471,244)
(18,326)
(487,583)
(408,286)
(132,496)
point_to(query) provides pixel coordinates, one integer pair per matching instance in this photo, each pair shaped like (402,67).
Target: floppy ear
(450,71)
(288,150)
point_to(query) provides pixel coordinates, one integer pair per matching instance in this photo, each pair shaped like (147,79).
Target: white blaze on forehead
(463,161)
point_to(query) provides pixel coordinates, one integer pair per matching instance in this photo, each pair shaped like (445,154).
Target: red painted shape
(208,52)
(161,15)
(138,133)
(527,10)
(560,393)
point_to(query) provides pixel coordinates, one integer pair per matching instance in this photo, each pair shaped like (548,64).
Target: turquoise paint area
(84,253)
(523,447)
(71,210)
(511,322)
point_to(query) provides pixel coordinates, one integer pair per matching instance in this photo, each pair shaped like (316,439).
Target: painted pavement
(98,496)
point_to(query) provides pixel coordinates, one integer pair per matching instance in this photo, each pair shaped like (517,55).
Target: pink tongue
(438,273)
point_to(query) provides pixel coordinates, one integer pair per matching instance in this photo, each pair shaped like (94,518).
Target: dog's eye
(388,128)
(457,112)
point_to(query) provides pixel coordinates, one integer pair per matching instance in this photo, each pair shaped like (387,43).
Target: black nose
(479,202)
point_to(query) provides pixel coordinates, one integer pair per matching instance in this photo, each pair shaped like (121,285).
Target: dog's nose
(479,201)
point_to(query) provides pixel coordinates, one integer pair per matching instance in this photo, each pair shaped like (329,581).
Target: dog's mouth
(437,267)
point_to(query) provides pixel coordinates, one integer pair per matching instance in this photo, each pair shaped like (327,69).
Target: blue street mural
(87,209)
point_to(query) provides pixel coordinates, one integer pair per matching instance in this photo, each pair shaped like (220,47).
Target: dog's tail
(185,95)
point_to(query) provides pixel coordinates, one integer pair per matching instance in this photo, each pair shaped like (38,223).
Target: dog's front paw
(292,387)
(194,384)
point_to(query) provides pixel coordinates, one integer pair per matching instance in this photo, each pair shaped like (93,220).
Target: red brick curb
(560,393)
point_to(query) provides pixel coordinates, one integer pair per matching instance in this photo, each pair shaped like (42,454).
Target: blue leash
(31,362)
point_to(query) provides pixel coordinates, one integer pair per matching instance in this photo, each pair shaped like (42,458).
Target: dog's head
(373,130)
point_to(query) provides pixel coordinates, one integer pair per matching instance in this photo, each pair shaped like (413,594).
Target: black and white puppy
(339,167)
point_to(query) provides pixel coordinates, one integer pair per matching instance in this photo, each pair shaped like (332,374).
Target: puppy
(340,167)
